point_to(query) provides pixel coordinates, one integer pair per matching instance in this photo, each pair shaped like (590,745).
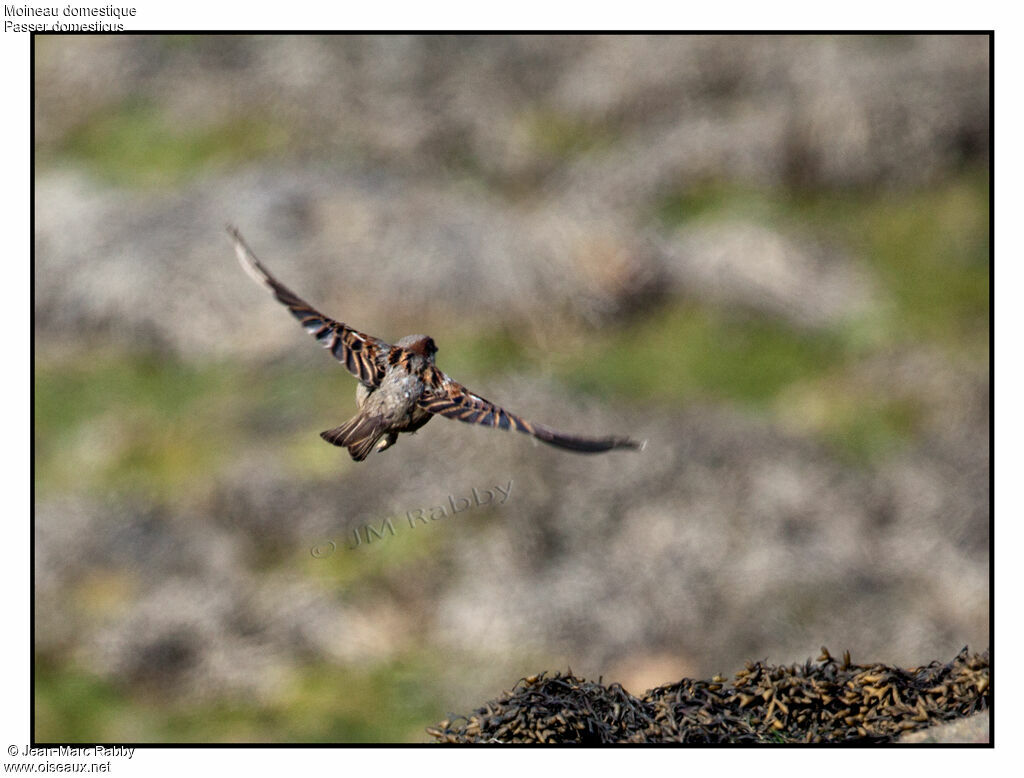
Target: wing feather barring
(400,387)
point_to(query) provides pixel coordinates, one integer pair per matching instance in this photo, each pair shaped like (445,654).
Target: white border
(640,14)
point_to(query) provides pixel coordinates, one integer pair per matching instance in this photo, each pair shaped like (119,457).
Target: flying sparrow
(400,388)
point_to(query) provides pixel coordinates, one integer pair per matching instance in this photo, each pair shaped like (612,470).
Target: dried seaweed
(827,701)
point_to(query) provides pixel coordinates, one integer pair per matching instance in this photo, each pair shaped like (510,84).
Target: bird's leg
(387,441)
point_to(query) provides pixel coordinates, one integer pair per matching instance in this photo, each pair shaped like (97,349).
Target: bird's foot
(387,441)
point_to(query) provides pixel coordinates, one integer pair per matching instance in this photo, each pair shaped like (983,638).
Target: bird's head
(422,345)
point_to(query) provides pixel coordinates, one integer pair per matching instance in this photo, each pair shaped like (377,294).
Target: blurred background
(766,255)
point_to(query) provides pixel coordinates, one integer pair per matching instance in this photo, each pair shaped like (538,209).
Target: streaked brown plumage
(400,388)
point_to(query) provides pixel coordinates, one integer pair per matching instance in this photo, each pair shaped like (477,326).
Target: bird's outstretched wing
(450,398)
(364,355)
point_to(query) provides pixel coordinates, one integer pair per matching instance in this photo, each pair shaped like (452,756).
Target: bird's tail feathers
(359,435)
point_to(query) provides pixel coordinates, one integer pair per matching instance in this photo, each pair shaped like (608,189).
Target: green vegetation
(928,249)
(136,422)
(387,702)
(139,422)
(931,251)
(563,136)
(367,568)
(476,353)
(929,254)
(136,145)
(717,198)
(688,352)
(143,422)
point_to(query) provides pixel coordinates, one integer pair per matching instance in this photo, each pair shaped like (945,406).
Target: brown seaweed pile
(828,701)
